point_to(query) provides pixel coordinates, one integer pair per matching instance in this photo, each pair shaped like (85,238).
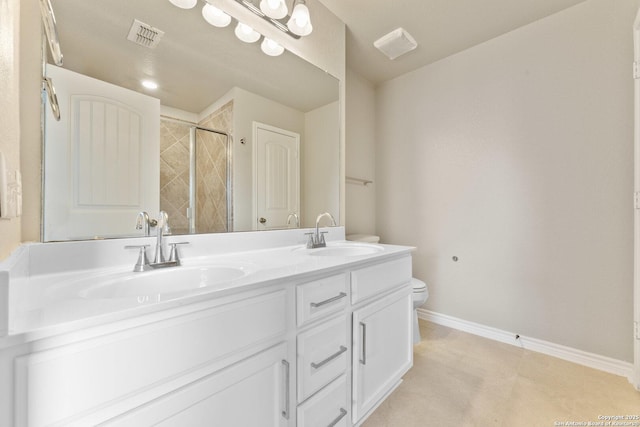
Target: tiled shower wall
(211,173)
(174,174)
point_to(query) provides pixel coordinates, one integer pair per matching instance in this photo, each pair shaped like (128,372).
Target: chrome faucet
(294,216)
(162,228)
(159,261)
(317,240)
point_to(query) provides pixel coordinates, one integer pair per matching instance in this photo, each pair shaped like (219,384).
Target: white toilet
(420,291)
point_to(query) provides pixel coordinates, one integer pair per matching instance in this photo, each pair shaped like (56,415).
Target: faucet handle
(322,242)
(143,262)
(310,240)
(174,256)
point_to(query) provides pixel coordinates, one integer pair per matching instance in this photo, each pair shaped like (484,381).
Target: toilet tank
(367,238)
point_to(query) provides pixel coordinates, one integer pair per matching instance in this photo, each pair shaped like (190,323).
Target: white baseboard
(592,360)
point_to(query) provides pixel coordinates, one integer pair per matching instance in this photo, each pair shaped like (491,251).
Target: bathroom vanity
(262,334)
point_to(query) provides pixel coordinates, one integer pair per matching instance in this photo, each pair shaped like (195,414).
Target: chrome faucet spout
(162,228)
(142,222)
(318,239)
(294,216)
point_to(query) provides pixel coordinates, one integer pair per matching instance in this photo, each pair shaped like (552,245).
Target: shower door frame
(191,215)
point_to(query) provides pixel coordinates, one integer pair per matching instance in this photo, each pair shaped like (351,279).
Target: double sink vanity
(253,329)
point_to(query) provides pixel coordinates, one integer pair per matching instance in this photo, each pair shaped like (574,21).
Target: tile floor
(459,379)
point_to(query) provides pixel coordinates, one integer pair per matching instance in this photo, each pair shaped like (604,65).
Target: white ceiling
(441,28)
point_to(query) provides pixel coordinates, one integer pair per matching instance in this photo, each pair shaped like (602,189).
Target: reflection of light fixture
(272,11)
(271,48)
(300,21)
(150,84)
(246,33)
(215,16)
(184,4)
(275,9)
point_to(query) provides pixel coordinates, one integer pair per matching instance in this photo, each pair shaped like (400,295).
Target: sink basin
(158,285)
(344,250)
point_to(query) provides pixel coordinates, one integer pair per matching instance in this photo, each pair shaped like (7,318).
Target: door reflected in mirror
(206,79)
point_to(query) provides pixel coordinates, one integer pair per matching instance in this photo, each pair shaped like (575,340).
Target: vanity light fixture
(271,48)
(300,21)
(276,9)
(184,4)
(247,34)
(272,11)
(215,16)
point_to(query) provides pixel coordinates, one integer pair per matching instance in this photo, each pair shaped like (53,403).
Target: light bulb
(275,9)
(300,15)
(300,21)
(246,33)
(184,4)
(215,16)
(271,47)
(150,84)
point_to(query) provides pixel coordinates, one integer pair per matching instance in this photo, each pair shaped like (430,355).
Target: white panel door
(277,176)
(382,349)
(101,160)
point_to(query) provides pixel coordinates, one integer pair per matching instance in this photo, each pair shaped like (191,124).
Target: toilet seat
(418,285)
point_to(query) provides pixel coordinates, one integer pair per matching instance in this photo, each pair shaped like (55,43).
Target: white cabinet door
(382,349)
(253,393)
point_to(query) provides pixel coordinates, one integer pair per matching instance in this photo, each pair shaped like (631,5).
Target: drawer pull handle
(343,412)
(329,359)
(363,360)
(285,412)
(328,301)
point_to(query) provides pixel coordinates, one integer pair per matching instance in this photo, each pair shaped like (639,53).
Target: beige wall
(360,155)
(10,231)
(319,172)
(517,157)
(30,132)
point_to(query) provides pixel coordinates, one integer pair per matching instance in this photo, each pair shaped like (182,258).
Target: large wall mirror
(231,140)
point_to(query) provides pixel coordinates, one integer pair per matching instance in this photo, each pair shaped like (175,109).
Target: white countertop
(53,303)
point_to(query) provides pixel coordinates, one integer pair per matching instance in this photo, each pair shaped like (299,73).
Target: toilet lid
(418,285)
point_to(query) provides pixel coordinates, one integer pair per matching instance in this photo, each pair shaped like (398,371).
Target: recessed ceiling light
(149,84)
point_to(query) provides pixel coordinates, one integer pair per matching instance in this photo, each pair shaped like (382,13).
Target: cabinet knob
(262,220)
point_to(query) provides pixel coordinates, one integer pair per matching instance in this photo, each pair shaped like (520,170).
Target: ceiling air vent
(396,43)
(144,34)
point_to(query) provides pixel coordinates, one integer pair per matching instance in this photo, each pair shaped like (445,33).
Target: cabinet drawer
(56,385)
(322,356)
(370,281)
(318,298)
(328,408)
